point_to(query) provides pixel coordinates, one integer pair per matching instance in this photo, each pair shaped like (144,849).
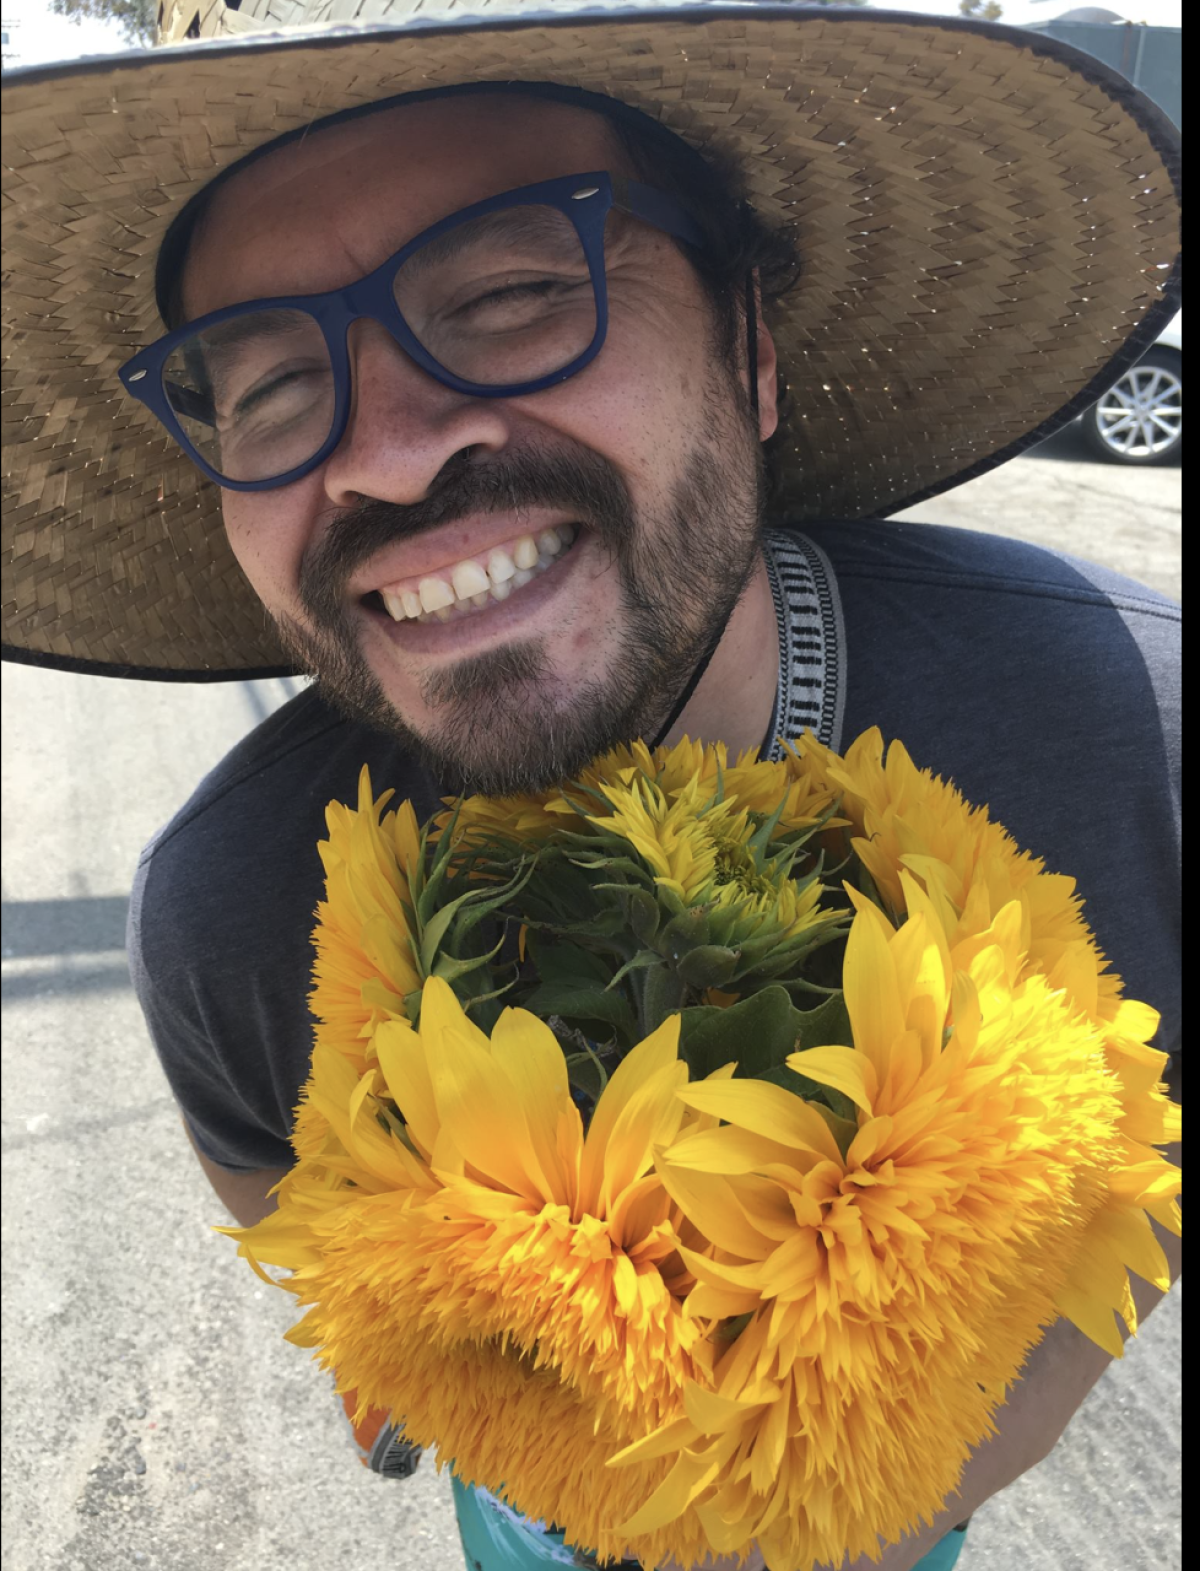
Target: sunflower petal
(842,1069)
(768,1110)
(529,1053)
(659,1050)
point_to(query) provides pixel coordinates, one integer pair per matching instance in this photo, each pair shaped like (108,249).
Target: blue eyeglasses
(506,297)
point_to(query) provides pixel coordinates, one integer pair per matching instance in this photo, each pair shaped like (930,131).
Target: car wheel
(1140,419)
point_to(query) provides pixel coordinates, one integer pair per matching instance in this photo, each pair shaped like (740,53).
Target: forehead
(320,212)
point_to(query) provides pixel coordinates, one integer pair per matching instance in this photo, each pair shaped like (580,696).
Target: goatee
(507,722)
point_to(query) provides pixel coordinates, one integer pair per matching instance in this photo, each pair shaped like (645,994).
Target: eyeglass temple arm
(661,210)
(657,208)
(185,401)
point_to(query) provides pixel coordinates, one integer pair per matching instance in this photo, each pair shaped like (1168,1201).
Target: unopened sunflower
(694,1153)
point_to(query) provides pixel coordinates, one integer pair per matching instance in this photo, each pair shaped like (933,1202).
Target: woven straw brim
(988,223)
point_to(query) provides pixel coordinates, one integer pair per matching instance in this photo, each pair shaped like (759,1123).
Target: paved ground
(1126,518)
(153,1415)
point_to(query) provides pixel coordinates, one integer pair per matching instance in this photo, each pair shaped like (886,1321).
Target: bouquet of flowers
(693,1153)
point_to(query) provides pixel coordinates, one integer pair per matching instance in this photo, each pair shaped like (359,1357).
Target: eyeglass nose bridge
(366,301)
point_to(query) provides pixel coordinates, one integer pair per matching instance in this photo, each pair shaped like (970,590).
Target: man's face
(589,539)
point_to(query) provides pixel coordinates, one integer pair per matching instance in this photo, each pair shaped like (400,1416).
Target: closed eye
(275,386)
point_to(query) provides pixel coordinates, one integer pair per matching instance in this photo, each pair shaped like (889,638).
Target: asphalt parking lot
(153,1415)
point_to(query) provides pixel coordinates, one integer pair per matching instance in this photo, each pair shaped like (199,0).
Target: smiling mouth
(476,583)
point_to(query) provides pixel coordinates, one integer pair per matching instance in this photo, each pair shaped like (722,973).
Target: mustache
(580,482)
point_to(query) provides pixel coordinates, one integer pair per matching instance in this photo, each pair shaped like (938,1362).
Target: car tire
(1140,419)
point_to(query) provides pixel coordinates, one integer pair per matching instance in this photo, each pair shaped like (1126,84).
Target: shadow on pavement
(83,924)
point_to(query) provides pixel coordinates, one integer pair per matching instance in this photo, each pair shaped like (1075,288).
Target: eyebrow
(214,348)
(492,226)
(253,322)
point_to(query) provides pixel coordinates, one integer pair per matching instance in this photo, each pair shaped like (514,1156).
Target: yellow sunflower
(364,964)
(905,819)
(701,772)
(775,1323)
(893,1274)
(926,848)
(700,849)
(476,1262)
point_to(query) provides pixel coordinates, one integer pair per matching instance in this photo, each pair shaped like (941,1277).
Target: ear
(767,371)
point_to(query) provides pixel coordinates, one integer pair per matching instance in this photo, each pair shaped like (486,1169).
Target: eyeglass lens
(501,300)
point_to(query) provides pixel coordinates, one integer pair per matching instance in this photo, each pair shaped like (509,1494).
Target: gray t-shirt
(1044,686)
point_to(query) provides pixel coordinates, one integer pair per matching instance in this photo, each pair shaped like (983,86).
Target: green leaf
(558,961)
(643,958)
(756,1033)
(759,1032)
(584,1003)
(435,930)
(709,965)
(643,911)
(452,970)
(826,1025)
(685,931)
(439,867)
(661,995)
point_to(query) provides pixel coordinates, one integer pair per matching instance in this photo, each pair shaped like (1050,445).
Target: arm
(246,1196)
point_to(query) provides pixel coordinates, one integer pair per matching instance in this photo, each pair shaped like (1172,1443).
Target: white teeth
(525,552)
(501,567)
(435,593)
(470,586)
(469,579)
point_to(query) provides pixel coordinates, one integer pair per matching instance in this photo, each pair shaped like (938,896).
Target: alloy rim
(1141,416)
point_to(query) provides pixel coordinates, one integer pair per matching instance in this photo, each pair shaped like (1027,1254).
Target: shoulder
(939,558)
(220,920)
(240,856)
(1048,688)
(1014,623)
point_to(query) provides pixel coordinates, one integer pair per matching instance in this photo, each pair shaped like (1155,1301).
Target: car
(1140,419)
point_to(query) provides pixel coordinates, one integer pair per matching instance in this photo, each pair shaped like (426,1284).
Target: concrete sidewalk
(154,1417)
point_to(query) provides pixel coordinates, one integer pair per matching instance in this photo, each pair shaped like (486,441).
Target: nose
(404,426)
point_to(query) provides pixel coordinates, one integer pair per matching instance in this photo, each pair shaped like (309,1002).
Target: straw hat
(987,220)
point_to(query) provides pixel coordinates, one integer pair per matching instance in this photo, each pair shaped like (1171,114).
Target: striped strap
(811,692)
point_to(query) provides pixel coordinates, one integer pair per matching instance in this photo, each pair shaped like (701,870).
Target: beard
(506,721)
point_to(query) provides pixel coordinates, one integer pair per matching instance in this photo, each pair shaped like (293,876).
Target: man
(478,362)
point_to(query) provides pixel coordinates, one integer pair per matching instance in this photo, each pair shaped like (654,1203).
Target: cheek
(266,533)
(636,404)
